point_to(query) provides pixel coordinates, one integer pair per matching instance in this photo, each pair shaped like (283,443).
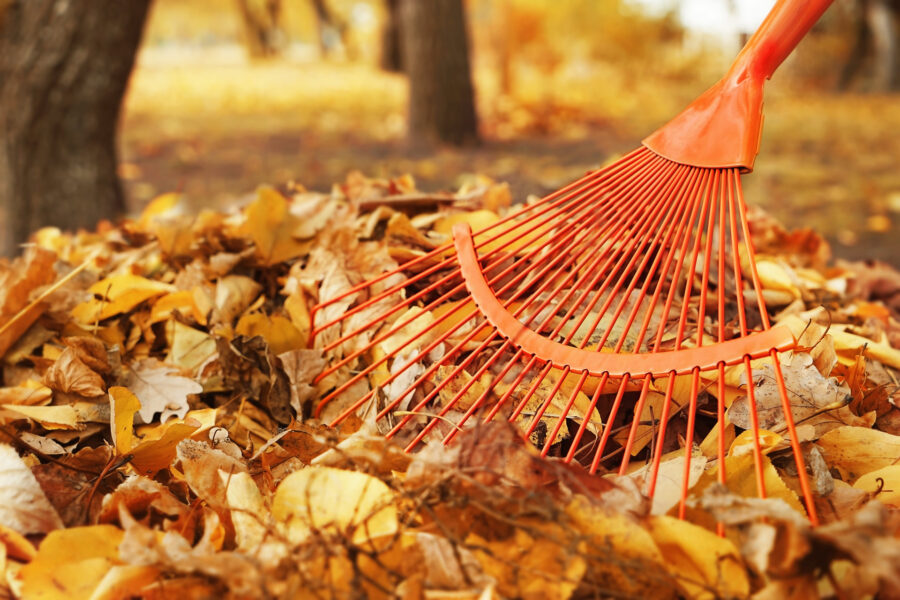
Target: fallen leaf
(49,417)
(71,563)
(118,294)
(883,483)
(279,332)
(855,451)
(324,499)
(123,405)
(539,563)
(23,506)
(201,466)
(189,348)
(160,390)
(704,564)
(271,226)
(71,375)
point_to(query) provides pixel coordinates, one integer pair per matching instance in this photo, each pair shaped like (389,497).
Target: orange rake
(626,283)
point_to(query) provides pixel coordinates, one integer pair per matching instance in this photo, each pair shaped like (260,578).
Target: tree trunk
(880,17)
(861,42)
(436,55)
(329,24)
(64,65)
(391,56)
(262,33)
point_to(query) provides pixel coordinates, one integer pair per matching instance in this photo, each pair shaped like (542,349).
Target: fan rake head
(591,318)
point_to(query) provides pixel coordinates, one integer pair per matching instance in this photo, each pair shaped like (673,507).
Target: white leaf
(160,390)
(23,506)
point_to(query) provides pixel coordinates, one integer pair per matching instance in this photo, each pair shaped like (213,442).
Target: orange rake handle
(786,24)
(722,127)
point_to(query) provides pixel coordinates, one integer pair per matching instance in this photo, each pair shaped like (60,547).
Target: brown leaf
(159,390)
(201,465)
(71,375)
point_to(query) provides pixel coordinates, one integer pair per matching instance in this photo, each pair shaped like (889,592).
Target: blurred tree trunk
(262,34)
(327,22)
(875,38)
(436,56)
(64,65)
(880,16)
(391,55)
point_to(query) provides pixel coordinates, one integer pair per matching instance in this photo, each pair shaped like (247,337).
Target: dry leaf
(49,417)
(23,506)
(118,294)
(808,391)
(189,348)
(856,451)
(279,333)
(69,374)
(704,564)
(201,466)
(537,564)
(340,502)
(160,390)
(272,227)
(157,449)
(71,563)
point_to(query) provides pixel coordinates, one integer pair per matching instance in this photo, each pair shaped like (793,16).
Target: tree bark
(262,35)
(64,66)
(436,56)
(391,55)
(880,16)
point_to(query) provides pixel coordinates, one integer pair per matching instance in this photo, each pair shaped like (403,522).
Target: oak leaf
(160,390)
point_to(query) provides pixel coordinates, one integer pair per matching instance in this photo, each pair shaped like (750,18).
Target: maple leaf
(160,390)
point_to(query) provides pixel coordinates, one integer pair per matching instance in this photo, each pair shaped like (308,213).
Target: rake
(624,285)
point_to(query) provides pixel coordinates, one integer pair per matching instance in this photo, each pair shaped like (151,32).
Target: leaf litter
(157,438)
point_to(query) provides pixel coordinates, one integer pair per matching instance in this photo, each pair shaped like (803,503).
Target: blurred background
(226,95)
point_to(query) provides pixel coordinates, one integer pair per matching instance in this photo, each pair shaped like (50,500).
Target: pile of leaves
(156,437)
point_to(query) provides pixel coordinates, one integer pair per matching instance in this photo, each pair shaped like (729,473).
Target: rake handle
(776,38)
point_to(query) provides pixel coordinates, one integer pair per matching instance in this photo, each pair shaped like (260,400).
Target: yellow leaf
(540,565)
(856,451)
(16,545)
(153,455)
(183,301)
(346,502)
(118,294)
(188,347)
(122,582)
(279,333)
(740,479)
(49,417)
(622,556)
(164,205)
(71,563)
(271,226)
(773,276)
(743,444)
(884,481)
(248,512)
(704,564)
(296,308)
(31,393)
(123,405)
